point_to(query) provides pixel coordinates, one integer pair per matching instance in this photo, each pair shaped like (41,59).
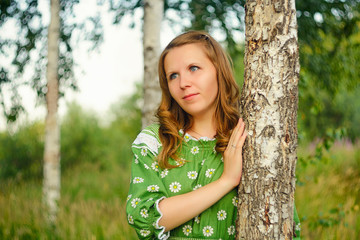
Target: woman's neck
(203,127)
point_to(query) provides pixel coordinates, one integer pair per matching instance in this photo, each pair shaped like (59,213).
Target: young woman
(186,168)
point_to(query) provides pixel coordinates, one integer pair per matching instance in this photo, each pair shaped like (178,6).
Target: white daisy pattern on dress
(135,202)
(221,215)
(128,197)
(180,162)
(195,150)
(298,227)
(155,166)
(187,229)
(210,172)
(208,231)
(143,151)
(144,232)
(197,187)
(138,180)
(146,166)
(136,160)
(144,213)
(164,173)
(175,187)
(192,174)
(202,162)
(153,188)
(186,138)
(130,219)
(231,230)
(235,201)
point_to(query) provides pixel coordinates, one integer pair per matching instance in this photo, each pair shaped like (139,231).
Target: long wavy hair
(172,117)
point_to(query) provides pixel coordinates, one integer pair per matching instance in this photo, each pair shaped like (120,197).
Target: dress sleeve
(297,226)
(146,188)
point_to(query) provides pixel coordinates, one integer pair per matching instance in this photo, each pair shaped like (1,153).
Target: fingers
(243,137)
(234,134)
(238,136)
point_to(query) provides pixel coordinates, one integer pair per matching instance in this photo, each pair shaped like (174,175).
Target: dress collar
(188,137)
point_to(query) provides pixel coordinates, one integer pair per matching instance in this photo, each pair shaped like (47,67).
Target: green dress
(150,184)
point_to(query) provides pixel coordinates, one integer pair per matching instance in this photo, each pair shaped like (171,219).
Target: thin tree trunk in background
(153,12)
(269,102)
(51,187)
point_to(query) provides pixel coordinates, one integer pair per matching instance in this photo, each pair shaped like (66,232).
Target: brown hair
(172,117)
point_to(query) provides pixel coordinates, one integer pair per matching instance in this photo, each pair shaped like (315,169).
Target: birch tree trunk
(51,184)
(153,12)
(269,106)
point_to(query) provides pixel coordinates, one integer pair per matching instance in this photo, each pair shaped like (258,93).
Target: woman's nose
(185,81)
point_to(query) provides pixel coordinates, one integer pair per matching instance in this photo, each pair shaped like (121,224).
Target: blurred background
(101,71)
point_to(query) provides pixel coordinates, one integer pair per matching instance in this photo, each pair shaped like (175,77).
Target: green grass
(93,196)
(91,207)
(328,197)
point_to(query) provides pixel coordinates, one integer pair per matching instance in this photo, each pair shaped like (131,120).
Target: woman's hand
(233,156)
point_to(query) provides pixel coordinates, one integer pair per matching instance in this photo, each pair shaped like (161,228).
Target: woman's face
(192,79)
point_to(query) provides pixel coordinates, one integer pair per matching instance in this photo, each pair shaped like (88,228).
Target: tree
(20,50)
(153,11)
(269,106)
(23,50)
(51,188)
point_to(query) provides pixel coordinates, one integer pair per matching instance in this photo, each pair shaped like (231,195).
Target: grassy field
(93,196)
(328,195)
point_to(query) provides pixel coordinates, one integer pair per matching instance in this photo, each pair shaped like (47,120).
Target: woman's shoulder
(149,138)
(152,129)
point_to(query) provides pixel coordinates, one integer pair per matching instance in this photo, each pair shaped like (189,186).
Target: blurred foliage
(329,40)
(25,49)
(321,113)
(21,152)
(83,140)
(124,127)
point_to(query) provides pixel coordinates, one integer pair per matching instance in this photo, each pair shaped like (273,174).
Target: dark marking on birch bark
(254,45)
(287,138)
(278,6)
(267,218)
(268,132)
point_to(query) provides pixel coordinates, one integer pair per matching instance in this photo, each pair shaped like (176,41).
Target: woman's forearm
(179,209)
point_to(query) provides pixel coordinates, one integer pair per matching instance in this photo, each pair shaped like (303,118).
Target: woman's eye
(173,76)
(194,68)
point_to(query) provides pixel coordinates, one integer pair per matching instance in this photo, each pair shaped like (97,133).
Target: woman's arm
(179,209)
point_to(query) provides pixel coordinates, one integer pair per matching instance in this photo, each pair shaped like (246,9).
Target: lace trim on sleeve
(150,141)
(162,235)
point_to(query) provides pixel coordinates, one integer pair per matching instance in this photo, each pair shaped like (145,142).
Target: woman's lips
(190,96)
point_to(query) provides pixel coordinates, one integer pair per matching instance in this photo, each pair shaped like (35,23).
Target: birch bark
(269,102)
(51,184)
(153,12)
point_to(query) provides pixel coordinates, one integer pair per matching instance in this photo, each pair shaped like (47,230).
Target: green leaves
(25,48)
